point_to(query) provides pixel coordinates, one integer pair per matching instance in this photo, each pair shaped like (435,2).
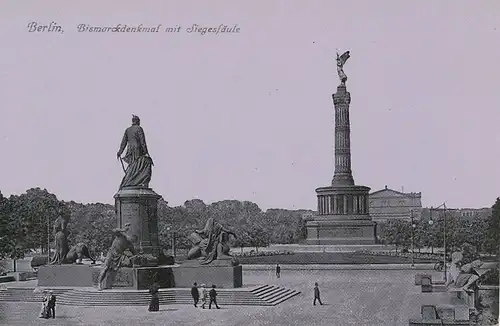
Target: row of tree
(482,234)
(26,222)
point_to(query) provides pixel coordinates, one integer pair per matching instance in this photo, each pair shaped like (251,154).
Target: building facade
(461,213)
(388,204)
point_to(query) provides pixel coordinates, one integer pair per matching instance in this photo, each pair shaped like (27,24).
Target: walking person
(213,298)
(278,270)
(51,305)
(203,296)
(44,311)
(316,295)
(154,304)
(195,294)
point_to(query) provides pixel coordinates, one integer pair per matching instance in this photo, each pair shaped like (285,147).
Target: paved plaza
(350,297)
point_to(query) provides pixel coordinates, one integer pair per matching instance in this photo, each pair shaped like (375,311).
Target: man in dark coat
(316,295)
(278,270)
(51,305)
(195,294)
(213,297)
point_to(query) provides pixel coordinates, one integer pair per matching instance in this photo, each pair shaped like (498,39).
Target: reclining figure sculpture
(211,244)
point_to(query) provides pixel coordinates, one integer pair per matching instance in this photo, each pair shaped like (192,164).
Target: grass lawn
(349,258)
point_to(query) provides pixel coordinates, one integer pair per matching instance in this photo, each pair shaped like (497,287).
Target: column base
(342,180)
(342,232)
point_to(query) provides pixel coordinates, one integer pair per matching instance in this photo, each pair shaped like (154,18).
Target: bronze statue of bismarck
(139,169)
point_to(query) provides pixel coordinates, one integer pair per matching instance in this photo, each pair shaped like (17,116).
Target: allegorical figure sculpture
(61,237)
(463,276)
(77,253)
(211,243)
(139,168)
(117,256)
(341,60)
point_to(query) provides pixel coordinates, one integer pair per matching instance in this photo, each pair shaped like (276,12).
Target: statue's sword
(123,166)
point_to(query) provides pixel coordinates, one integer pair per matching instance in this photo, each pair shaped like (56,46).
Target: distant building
(463,213)
(473,212)
(389,204)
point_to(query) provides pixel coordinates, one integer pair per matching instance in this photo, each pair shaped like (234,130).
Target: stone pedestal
(66,275)
(342,218)
(223,275)
(340,233)
(138,278)
(138,206)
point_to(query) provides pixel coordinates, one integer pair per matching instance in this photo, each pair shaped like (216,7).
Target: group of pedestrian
(48,305)
(202,292)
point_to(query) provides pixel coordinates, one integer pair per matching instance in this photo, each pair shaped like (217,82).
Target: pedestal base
(343,217)
(138,207)
(66,275)
(222,276)
(347,232)
(138,278)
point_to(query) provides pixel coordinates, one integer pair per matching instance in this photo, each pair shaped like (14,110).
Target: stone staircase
(273,295)
(265,295)
(26,294)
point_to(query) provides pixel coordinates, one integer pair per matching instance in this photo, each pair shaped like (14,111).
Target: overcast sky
(249,116)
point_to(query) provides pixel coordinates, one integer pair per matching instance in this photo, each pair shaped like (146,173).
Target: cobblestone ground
(350,297)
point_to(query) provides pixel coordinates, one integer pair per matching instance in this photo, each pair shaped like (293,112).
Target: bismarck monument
(135,203)
(343,215)
(135,255)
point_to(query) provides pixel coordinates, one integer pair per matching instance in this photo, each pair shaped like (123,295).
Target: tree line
(26,223)
(429,232)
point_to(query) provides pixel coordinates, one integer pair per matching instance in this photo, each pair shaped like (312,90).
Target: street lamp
(443,205)
(48,239)
(413,225)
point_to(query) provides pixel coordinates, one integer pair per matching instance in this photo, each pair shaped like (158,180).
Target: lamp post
(413,225)
(48,239)
(442,207)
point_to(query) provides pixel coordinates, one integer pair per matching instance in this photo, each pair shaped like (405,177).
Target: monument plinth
(343,215)
(137,206)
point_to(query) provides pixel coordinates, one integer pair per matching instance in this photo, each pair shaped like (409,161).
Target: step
(267,290)
(284,298)
(262,289)
(271,294)
(282,292)
(264,295)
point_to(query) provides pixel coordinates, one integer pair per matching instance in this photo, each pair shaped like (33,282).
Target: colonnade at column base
(343,217)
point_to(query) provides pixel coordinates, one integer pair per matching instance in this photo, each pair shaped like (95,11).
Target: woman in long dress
(204,295)
(44,313)
(154,304)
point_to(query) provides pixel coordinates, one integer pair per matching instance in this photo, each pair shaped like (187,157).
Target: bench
(428,285)
(441,315)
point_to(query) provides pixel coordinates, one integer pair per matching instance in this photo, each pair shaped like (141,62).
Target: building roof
(396,192)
